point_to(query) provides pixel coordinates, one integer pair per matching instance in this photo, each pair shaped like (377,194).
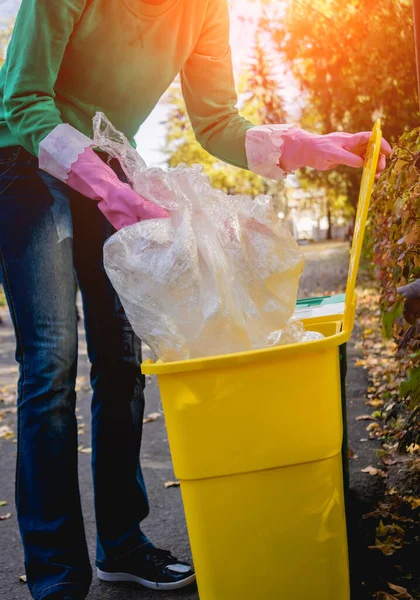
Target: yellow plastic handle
(366,187)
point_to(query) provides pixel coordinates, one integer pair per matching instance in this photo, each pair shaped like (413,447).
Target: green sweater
(68,59)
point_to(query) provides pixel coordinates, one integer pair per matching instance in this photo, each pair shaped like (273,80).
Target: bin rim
(242,358)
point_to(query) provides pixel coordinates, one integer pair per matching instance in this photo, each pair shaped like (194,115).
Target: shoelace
(161,558)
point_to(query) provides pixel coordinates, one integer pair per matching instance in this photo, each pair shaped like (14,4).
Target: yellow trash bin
(256,443)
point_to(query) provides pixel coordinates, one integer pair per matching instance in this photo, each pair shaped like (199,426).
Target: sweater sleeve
(35,53)
(209,90)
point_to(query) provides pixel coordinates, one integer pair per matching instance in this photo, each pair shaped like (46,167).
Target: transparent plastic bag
(219,276)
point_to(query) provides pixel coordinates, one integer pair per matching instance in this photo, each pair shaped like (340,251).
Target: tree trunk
(329,217)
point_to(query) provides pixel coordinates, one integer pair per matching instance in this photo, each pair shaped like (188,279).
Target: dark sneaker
(156,570)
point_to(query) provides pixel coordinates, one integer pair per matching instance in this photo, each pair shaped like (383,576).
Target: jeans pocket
(15,165)
(8,161)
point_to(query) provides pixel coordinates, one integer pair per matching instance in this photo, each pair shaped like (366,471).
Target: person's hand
(410,291)
(121,205)
(325,152)
(275,150)
(67,154)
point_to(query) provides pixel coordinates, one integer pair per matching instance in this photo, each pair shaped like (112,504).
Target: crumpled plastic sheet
(219,276)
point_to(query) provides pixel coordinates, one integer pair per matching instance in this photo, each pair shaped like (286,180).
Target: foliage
(6,29)
(395,229)
(353,61)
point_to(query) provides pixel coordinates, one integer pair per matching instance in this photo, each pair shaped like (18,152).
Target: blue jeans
(49,236)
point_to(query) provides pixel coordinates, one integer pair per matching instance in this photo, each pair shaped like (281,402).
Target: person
(60,199)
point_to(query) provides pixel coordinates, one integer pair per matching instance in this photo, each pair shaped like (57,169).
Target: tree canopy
(353,61)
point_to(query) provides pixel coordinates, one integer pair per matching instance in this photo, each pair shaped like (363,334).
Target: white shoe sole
(128,577)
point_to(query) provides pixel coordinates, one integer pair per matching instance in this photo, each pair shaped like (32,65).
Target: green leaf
(412,384)
(390,316)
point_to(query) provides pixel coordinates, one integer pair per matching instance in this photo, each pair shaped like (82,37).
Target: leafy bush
(395,229)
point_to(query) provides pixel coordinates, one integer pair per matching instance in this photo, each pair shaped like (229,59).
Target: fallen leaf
(389,538)
(389,461)
(360,363)
(414,502)
(365,418)
(352,455)
(372,426)
(171,484)
(6,433)
(375,402)
(376,514)
(3,502)
(386,549)
(373,471)
(412,448)
(401,591)
(86,450)
(152,417)
(22,578)
(9,398)
(5,517)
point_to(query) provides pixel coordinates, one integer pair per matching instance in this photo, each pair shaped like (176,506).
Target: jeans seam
(63,584)
(10,183)
(8,167)
(22,377)
(11,161)
(125,554)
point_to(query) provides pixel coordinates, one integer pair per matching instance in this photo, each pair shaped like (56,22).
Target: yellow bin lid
(365,194)
(347,320)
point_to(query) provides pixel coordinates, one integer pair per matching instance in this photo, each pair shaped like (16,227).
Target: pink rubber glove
(276,150)
(325,152)
(121,205)
(67,154)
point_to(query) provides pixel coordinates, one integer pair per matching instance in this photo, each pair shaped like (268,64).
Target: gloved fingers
(348,158)
(331,166)
(358,142)
(139,207)
(385,147)
(149,210)
(381,163)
